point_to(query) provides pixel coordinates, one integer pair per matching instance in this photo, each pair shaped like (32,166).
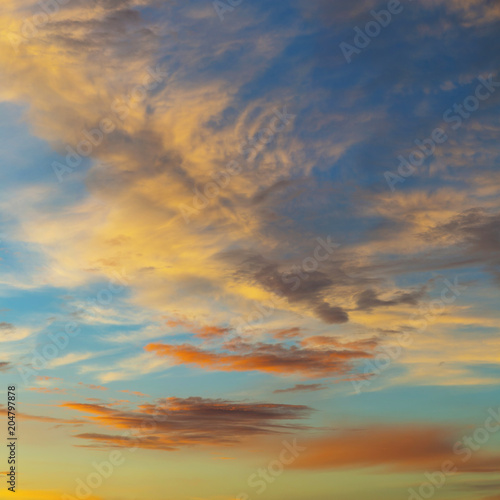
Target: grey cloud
(301,388)
(369,299)
(476,233)
(310,290)
(6,327)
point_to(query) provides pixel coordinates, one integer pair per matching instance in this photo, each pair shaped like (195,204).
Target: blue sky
(230,245)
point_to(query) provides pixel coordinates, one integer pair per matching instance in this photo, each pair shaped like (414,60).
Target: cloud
(173,141)
(471,12)
(287,333)
(474,233)
(129,368)
(135,393)
(5,366)
(306,289)
(278,359)
(318,341)
(185,131)
(47,390)
(69,359)
(301,388)
(94,387)
(9,332)
(206,332)
(6,327)
(143,172)
(43,418)
(397,448)
(369,299)
(172,423)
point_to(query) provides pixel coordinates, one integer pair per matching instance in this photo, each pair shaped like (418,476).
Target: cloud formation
(172,423)
(301,388)
(279,359)
(399,448)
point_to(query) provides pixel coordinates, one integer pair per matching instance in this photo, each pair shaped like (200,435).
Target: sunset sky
(251,249)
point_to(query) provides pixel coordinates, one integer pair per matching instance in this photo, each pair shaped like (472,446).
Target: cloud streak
(172,423)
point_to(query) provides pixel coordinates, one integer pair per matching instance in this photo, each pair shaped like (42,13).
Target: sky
(250,249)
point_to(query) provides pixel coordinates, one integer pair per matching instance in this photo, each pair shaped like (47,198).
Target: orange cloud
(206,332)
(47,390)
(287,333)
(42,418)
(301,388)
(209,332)
(94,387)
(323,340)
(174,422)
(135,393)
(269,358)
(403,448)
